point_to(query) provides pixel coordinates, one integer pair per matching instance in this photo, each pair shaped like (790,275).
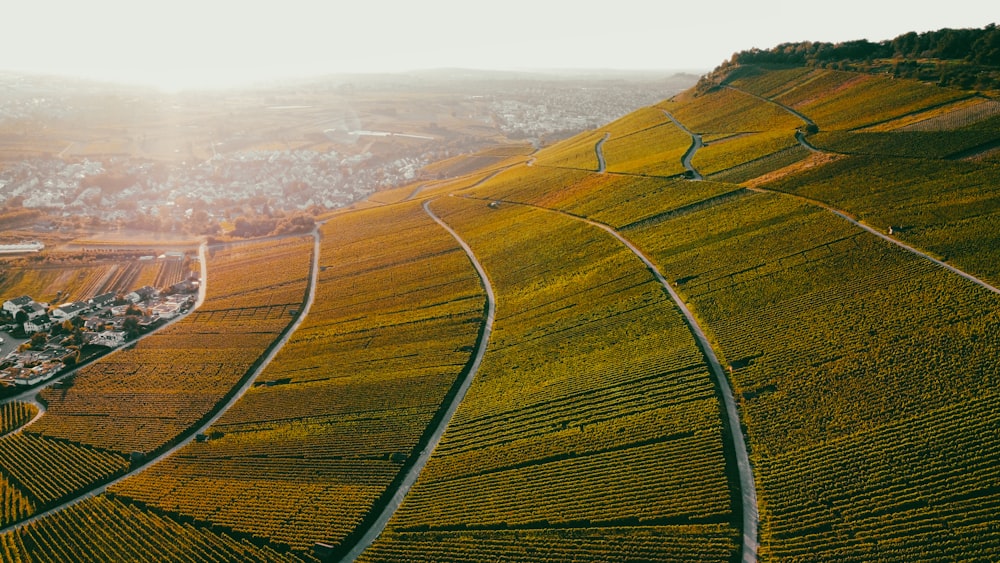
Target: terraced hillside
(867,372)
(864,373)
(592,384)
(109,416)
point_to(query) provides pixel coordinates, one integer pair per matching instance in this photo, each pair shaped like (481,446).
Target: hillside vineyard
(834,236)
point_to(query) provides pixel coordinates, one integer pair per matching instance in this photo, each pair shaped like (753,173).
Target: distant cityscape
(238,177)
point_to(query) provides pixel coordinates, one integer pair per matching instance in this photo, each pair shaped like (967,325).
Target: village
(56,338)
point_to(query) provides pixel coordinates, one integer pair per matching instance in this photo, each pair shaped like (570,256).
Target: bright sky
(206,43)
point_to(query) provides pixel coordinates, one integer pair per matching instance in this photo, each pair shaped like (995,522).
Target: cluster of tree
(17,217)
(972,55)
(259,226)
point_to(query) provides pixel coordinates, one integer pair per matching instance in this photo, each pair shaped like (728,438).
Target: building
(141,294)
(38,324)
(34,310)
(12,306)
(103,300)
(110,338)
(68,311)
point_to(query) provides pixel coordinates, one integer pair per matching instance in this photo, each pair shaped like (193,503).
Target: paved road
(748,489)
(192,433)
(696,143)
(789,109)
(599,149)
(411,477)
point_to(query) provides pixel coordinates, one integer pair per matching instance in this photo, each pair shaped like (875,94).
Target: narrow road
(599,149)
(191,433)
(789,109)
(799,135)
(801,138)
(379,525)
(41,411)
(843,215)
(696,144)
(486,178)
(748,489)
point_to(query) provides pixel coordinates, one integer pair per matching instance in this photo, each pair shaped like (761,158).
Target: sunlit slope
(868,378)
(453,173)
(866,373)
(576,152)
(139,400)
(591,432)
(304,457)
(102,529)
(914,157)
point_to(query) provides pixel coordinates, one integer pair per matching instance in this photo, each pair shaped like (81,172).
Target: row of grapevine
(55,282)
(102,529)
(912,144)
(846,100)
(943,117)
(555,545)
(14,502)
(14,415)
(593,408)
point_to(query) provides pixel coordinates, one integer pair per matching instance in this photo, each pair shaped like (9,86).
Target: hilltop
(753,321)
(961,58)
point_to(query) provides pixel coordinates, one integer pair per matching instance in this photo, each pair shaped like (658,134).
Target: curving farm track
(376,528)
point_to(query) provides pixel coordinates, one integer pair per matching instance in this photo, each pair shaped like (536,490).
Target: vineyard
(865,375)
(139,400)
(102,529)
(62,279)
(14,415)
(305,455)
(593,409)
(855,374)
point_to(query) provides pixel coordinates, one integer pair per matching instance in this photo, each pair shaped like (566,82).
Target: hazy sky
(184,43)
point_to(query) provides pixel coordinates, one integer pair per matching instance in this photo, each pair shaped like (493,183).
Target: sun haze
(185,44)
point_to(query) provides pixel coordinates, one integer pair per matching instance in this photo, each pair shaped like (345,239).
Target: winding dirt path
(748,489)
(789,109)
(696,143)
(189,435)
(380,523)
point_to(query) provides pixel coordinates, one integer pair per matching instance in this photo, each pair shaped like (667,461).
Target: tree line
(965,58)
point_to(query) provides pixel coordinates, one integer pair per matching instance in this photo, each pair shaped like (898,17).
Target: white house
(110,338)
(38,324)
(12,306)
(34,310)
(68,311)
